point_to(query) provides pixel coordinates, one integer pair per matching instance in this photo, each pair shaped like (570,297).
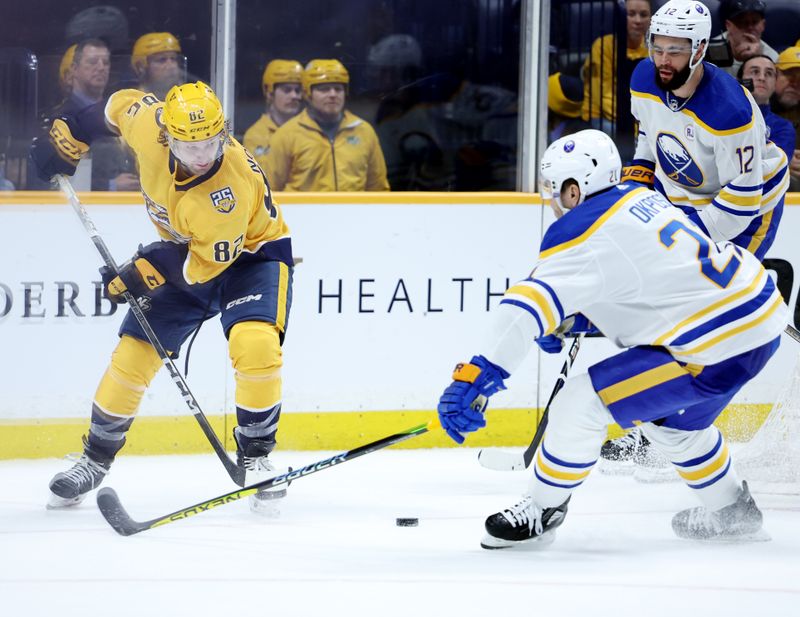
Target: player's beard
(678,79)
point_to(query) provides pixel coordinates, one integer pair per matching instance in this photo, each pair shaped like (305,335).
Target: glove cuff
(483,374)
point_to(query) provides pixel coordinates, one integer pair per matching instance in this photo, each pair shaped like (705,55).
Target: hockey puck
(407,522)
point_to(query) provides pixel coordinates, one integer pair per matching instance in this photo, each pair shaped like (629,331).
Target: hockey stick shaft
(113,511)
(501,460)
(236,473)
(793,332)
(527,456)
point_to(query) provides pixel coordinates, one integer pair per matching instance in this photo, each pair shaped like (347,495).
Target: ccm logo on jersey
(242,300)
(223,200)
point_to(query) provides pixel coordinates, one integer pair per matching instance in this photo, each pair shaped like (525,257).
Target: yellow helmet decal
(282,72)
(192,112)
(152,43)
(324,72)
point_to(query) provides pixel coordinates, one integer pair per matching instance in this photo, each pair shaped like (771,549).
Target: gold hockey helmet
(281,72)
(324,72)
(192,112)
(152,43)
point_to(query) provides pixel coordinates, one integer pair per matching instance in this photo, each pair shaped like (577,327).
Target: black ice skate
(258,467)
(69,488)
(522,524)
(740,521)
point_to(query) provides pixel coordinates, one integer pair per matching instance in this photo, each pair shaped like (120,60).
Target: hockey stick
(793,332)
(234,471)
(123,524)
(501,460)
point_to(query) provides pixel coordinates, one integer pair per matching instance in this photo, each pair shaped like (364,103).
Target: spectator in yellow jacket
(282,85)
(325,147)
(600,69)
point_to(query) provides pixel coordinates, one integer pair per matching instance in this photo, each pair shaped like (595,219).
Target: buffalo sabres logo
(677,163)
(223,200)
(569,146)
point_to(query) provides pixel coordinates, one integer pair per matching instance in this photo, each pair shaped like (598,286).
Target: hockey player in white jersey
(698,319)
(702,143)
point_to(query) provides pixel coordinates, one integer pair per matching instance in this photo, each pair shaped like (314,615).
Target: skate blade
(757,536)
(59,503)
(491,543)
(616,468)
(266,504)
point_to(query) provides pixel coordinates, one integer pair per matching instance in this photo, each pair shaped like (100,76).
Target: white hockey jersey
(644,274)
(712,154)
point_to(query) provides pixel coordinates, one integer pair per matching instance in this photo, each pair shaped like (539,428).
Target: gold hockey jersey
(221,214)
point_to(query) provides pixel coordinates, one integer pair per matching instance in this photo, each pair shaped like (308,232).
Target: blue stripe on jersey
(775,180)
(748,308)
(578,220)
(558,461)
(704,458)
(753,189)
(747,213)
(718,102)
(553,295)
(714,479)
(527,308)
(551,483)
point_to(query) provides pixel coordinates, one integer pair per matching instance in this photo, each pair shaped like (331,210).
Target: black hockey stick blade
(502,460)
(116,515)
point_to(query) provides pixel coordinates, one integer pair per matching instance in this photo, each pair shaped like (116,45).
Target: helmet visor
(197,156)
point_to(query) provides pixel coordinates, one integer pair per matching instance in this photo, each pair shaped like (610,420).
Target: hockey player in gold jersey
(224,249)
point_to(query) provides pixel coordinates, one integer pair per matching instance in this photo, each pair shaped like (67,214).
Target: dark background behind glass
(462,43)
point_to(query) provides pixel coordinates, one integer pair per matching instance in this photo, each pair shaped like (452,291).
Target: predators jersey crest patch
(223,200)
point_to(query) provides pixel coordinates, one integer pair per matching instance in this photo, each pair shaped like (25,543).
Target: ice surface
(335,550)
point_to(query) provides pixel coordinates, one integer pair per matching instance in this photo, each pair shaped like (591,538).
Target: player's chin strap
(234,471)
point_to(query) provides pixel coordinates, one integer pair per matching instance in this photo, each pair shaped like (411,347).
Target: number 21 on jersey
(721,277)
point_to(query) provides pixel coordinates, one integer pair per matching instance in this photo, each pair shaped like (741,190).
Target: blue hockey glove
(552,343)
(462,405)
(574,324)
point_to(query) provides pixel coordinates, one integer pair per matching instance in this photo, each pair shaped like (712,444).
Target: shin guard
(577,426)
(133,365)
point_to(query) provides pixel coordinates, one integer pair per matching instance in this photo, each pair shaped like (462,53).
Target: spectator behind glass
(90,70)
(564,102)
(282,85)
(325,147)
(411,145)
(158,63)
(743,25)
(786,102)
(761,72)
(600,68)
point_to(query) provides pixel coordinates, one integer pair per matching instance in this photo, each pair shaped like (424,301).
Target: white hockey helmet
(683,19)
(588,157)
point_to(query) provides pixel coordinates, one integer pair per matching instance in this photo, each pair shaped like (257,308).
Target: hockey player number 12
(720,277)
